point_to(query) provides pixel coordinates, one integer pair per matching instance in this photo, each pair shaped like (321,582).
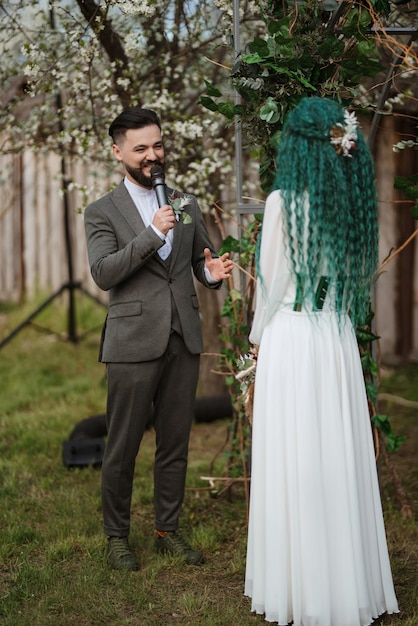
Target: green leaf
(260,47)
(366,336)
(208,103)
(274,27)
(304,81)
(368,48)
(382,422)
(252,58)
(211,90)
(408,185)
(357,22)
(371,390)
(230,244)
(374,370)
(239,109)
(270,112)
(227,109)
(381,6)
(394,442)
(369,364)
(331,48)
(278,69)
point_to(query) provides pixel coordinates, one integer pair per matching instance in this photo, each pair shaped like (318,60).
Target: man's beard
(138,174)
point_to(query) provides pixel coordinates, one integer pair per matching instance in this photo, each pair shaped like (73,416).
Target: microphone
(158,183)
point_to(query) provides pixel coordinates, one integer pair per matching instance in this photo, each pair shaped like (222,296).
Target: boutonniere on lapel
(178,203)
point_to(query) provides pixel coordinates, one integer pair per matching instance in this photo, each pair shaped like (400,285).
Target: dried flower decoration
(247,365)
(344,136)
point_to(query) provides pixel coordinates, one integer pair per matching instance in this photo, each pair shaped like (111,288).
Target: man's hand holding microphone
(164,219)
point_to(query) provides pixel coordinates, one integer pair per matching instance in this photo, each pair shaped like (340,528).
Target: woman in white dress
(317,552)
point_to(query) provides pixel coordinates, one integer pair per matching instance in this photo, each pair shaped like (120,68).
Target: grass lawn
(52,566)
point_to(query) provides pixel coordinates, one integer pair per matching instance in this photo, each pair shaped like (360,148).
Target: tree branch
(110,41)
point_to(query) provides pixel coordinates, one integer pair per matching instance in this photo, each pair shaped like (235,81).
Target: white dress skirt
(317,552)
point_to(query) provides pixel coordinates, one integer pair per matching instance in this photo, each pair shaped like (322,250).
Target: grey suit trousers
(169,383)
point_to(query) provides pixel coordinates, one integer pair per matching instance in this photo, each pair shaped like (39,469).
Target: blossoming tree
(69,66)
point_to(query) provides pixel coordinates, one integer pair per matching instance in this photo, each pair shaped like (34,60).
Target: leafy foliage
(300,52)
(366,339)
(235,313)
(299,55)
(409,186)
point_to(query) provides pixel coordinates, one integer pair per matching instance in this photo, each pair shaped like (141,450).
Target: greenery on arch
(301,54)
(303,51)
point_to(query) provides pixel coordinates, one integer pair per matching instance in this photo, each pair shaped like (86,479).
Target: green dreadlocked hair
(340,188)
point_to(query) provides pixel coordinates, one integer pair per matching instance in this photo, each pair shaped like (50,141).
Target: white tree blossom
(69,67)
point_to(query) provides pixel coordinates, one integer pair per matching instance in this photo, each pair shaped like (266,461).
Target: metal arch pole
(243,208)
(238,133)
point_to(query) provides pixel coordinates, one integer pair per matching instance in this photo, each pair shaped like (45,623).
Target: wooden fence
(33,252)
(33,245)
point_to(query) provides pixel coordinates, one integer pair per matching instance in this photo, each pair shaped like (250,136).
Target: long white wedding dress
(317,552)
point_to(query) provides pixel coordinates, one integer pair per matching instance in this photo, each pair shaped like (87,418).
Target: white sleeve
(274,275)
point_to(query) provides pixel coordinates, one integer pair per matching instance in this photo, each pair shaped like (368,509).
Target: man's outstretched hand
(220,267)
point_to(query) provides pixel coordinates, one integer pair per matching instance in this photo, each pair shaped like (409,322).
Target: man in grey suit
(144,254)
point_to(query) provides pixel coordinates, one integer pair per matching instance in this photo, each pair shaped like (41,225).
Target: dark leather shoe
(174,544)
(120,555)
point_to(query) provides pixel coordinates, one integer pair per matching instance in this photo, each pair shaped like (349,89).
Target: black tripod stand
(71,287)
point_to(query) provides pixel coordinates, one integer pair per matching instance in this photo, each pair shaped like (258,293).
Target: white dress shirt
(146,202)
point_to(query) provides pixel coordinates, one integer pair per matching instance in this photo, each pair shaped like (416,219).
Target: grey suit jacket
(124,261)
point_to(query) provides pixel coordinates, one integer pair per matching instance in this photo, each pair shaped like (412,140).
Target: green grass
(52,566)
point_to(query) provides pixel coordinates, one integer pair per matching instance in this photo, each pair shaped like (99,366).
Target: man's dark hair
(132,117)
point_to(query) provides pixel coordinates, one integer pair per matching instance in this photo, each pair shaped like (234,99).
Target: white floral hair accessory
(344,136)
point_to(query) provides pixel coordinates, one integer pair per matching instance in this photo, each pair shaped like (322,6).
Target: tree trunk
(210,383)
